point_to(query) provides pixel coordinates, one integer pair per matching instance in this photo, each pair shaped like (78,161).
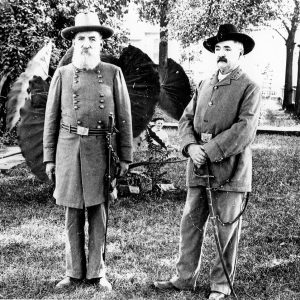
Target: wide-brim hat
(87,22)
(158,118)
(229,32)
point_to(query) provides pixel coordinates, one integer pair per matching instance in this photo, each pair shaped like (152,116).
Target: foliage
(192,21)
(25,25)
(287,16)
(8,138)
(150,10)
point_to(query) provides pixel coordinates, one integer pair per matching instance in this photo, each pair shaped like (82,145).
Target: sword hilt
(110,123)
(203,172)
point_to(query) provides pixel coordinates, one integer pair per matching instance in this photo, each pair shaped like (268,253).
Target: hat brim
(69,33)
(245,39)
(158,118)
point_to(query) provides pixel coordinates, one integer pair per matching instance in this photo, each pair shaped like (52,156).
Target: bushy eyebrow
(225,47)
(89,36)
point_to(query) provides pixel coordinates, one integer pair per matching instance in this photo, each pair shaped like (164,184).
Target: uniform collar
(96,69)
(234,75)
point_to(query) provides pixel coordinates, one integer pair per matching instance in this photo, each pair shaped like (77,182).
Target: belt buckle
(82,130)
(206,137)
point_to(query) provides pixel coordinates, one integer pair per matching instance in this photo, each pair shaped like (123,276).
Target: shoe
(67,282)
(216,296)
(169,285)
(105,284)
(165,285)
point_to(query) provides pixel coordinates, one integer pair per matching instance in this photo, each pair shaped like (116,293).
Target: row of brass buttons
(76,101)
(101,94)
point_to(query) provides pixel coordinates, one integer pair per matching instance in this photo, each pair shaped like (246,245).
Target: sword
(108,173)
(213,218)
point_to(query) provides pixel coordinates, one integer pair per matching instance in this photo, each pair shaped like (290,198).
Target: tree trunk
(297,98)
(288,86)
(3,99)
(163,42)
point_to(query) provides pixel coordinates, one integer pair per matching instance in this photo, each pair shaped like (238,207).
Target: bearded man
(216,130)
(81,97)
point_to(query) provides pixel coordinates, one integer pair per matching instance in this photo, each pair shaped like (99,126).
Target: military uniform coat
(85,98)
(228,110)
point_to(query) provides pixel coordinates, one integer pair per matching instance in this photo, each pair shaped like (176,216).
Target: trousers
(77,265)
(227,206)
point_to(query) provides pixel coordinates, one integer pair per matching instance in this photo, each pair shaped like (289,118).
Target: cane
(213,217)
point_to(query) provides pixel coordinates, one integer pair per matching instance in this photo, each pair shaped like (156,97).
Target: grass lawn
(143,236)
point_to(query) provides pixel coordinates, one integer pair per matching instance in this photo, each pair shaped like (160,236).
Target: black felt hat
(229,32)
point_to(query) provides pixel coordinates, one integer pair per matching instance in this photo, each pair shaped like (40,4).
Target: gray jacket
(85,98)
(229,111)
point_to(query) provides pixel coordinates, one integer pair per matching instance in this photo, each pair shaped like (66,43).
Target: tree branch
(279,33)
(286,26)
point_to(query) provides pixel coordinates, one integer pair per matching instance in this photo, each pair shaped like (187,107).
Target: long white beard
(85,59)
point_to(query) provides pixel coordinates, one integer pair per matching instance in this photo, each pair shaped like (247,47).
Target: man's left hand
(123,168)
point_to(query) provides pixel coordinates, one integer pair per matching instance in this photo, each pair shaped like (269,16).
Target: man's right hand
(50,170)
(197,154)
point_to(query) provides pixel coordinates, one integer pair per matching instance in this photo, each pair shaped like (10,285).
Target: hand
(197,154)
(50,170)
(123,168)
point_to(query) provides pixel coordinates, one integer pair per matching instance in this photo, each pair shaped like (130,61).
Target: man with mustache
(216,130)
(81,97)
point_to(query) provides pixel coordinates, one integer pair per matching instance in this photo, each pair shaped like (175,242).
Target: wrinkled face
(159,124)
(89,43)
(228,55)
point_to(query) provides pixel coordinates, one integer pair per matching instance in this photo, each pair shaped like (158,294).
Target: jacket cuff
(49,155)
(185,149)
(126,154)
(213,151)
(188,140)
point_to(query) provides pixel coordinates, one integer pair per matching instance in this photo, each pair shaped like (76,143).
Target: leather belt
(80,130)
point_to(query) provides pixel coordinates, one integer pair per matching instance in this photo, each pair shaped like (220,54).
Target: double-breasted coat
(227,111)
(85,98)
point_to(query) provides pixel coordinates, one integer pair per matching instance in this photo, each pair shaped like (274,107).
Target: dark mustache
(222,58)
